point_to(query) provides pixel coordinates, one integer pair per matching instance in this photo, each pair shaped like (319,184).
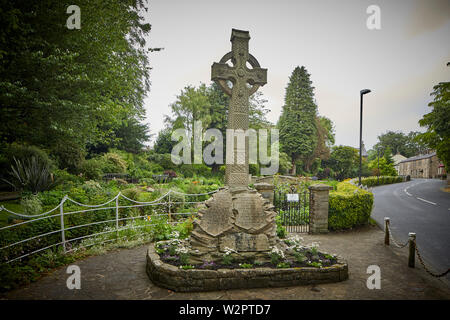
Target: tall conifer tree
(297,123)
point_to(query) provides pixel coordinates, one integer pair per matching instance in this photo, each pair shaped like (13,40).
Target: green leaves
(297,123)
(85,86)
(437,122)
(31,175)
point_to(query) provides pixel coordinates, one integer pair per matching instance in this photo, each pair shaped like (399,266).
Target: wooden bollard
(386,230)
(412,250)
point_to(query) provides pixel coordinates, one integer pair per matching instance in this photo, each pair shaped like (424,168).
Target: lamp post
(361,93)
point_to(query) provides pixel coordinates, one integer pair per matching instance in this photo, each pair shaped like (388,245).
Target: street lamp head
(364,91)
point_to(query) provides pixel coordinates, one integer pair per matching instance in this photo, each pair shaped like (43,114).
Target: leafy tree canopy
(437,123)
(63,89)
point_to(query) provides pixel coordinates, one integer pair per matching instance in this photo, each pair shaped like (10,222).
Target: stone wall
(176,279)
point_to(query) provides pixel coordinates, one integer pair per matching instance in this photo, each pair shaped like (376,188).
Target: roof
(419,157)
(398,158)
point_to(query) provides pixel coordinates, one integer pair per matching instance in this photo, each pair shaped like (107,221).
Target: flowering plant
(276,255)
(227,257)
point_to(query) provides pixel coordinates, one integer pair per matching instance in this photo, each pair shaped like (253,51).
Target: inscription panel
(217,218)
(250,212)
(244,242)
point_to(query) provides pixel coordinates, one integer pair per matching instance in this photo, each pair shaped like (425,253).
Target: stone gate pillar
(318,208)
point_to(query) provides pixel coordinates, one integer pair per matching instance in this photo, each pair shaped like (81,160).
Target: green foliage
(315,264)
(31,205)
(62,89)
(398,142)
(349,207)
(297,123)
(282,265)
(91,169)
(187,267)
(386,168)
(164,143)
(299,257)
(185,228)
(437,123)
(344,162)
(381,180)
(22,153)
(281,230)
(31,175)
(112,162)
(246,265)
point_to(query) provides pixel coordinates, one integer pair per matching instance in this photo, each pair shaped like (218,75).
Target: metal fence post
(117,215)
(169,209)
(412,250)
(387,222)
(63,234)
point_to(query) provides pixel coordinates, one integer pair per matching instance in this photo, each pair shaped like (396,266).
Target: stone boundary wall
(270,179)
(176,279)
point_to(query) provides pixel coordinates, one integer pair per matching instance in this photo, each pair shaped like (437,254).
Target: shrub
(31,175)
(281,230)
(381,180)
(31,205)
(64,177)
(349,207)
(132,193)
(91,169)
(22,152)
(113,163)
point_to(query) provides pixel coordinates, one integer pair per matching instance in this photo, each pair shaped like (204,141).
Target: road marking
(409,194)
(426,201)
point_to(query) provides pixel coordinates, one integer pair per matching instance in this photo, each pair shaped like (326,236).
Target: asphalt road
(418,206)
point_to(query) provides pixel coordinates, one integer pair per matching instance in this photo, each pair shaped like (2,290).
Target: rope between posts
(425,267)
(393,240)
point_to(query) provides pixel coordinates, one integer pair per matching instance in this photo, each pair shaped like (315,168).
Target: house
(397,159)
(422,166)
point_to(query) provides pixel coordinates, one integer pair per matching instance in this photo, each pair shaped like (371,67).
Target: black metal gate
(293,210)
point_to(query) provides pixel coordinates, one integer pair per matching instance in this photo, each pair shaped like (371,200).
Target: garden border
(195,280)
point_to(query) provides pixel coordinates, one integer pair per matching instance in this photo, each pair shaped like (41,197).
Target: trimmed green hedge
(378,181)
(349,207)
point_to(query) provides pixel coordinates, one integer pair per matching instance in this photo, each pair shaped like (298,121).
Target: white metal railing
(93,208)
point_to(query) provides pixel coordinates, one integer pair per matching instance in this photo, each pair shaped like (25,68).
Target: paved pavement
(120,274)
(418,206)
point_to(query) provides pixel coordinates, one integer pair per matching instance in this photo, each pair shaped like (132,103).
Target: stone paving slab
(120,274)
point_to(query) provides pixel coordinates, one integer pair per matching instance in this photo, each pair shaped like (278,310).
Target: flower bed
(292,264)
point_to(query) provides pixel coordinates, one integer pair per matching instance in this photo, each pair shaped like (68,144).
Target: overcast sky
(400,63)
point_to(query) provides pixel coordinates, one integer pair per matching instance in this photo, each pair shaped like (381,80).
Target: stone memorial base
(194,280)
(239,219)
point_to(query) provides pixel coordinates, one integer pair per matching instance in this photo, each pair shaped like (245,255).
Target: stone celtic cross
(245,82)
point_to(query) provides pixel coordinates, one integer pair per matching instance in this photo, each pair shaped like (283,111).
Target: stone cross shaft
(246,81)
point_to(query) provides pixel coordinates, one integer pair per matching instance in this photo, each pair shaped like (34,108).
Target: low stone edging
(176,279)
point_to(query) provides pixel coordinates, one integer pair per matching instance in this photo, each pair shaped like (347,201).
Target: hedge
(378,181)
(349,206)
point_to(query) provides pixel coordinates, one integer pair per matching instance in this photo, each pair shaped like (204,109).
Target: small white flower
(229,251)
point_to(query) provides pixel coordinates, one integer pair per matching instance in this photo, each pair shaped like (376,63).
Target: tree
(297,123)
(325,139)
(344,161)
(164,143)
(398,142)
(385,168)
(437,123)
(209,104)
(61,87)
